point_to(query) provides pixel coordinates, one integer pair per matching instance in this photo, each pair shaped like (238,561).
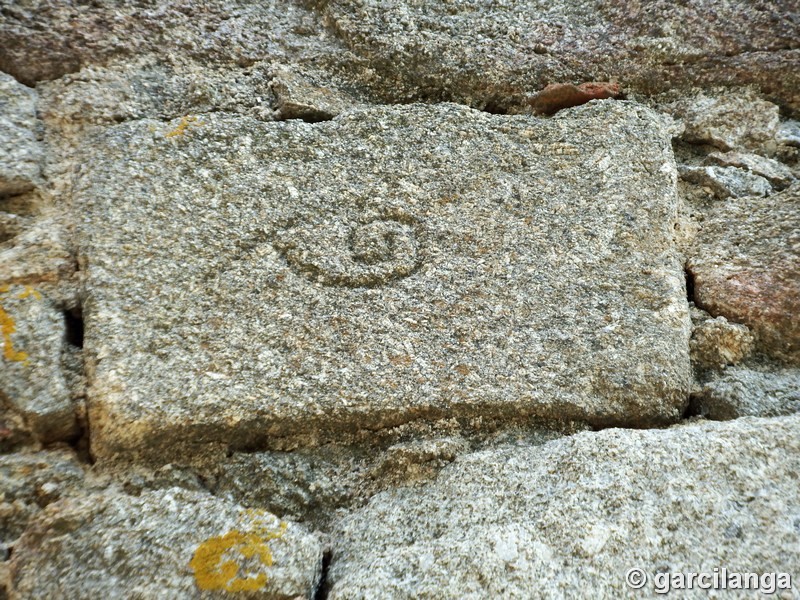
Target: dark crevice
(692,409)
(21,80)
(311,116)
(73,321)
(496,108)
(324,589)
(80,442)
(689,284)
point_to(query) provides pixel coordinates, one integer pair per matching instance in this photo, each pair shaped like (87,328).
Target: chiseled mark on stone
(213,570)
(365,253)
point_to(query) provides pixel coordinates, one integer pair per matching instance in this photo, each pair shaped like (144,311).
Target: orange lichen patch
(29,291)
(566,95)
(7,328)
(184,124)
(215,568)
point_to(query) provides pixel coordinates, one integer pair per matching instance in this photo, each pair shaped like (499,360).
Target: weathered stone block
(727,181)
(20,151)
(488,52)
(249,282)
(746,267)
(777,173)
(169,543)
(741,392)
(32,383)
(31,481)
(579,512)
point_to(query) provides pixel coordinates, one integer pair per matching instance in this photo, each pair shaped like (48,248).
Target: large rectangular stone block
(253,282)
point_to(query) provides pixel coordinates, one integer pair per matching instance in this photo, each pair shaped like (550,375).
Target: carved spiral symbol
(365,255)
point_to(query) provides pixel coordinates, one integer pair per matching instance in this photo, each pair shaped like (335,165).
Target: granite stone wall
(433,299)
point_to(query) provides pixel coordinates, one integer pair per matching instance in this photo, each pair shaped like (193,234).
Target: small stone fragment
(741,392)
(163,544)
(14,431)
(566,95)
(31,481)
(299,97)
(36,249)
(788,133)
(746,267)
(716,343)
(726,182)
(32,382)
(778,174)
(729,121)
(20,151)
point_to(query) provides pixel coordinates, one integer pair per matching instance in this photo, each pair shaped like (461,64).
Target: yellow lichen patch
(7,328)
(29,291)
(214,564)
(184,124)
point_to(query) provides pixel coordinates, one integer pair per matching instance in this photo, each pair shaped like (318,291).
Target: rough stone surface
(728,121)
(300,96)
(252,281)
(317,485)
(482,54)
(789,133)
(31,481)
(32,381)
(20,151)
(38,249)
(152,86)
(717,343)
(727,182)
(743,391)
(165,543)
(302,291)
(15,434)
(46,39)
(746,267)
(488,54)
(577,513)
(778,174)
(309,485)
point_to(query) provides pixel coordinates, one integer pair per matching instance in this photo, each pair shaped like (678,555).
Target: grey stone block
(250,282)
(20,152)
(577,513)
(32,381)
(169,543)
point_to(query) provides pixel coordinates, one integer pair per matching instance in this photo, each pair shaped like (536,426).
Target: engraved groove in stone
(365,255)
